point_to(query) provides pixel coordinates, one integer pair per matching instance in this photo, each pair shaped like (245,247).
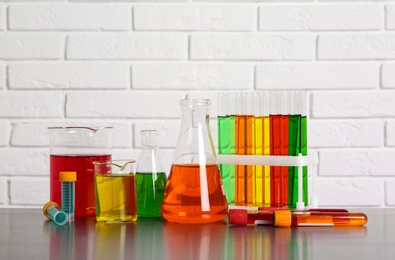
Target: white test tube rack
(274,160)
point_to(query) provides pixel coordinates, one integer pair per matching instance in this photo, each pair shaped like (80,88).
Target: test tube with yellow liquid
(261,147)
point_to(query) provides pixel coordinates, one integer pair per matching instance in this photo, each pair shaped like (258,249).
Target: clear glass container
(73,149)
(150,177)
(194,192)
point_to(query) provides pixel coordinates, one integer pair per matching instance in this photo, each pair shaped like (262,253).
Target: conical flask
(150,177)
(194,191)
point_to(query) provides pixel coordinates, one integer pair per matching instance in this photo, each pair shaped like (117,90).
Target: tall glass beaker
(194,191)
(74,148)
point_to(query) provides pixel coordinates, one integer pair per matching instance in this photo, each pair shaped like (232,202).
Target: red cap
(238,217)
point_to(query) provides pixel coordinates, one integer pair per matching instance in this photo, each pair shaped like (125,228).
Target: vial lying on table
(68,192)
(287,218)
(52,211)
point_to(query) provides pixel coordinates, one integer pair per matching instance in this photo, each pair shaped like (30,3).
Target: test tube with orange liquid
(287,218)
(241,145)
(250,169)
(245,180)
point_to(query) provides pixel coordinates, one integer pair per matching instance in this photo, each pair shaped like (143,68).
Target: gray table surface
(26,234)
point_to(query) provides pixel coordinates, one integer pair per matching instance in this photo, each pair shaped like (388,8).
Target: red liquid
(275,171)
(84,186)
(184,195)
(279,174)
(284,151)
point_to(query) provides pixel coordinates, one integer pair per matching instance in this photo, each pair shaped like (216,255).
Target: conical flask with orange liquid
(194,191)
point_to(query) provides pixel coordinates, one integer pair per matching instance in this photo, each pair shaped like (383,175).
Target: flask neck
(149,139)
(149,160)
(195,145)
(195,113)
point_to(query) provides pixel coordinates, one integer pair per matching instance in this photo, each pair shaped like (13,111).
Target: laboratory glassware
(194,192)
(115,191)
(74,148)
(150,177)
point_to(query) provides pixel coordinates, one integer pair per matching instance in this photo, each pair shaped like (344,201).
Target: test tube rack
(298,161)
(267,128)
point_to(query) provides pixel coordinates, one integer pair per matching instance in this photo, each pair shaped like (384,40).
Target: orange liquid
(186,200)
(241,170)
(250,185)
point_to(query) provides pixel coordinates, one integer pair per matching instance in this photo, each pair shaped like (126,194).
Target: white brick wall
(364,46)
(320,17)
(24,104)
(2,18)
(195,18)
(388,75)
(128,63)
(252,46)
(318,76)
(71,75)
(4,136)
(127,46)
(2,76)
(3,191)
(390,17)
(84,17)
(193,76)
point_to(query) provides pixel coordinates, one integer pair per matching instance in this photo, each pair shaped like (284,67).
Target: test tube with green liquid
(284,139)
(304,147)
(297,145)
(225,123)
(232,146)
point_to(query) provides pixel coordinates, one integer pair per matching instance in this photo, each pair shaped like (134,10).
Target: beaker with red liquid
(74,148)
(194,192)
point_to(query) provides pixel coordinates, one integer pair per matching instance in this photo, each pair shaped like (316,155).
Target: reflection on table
(153,238)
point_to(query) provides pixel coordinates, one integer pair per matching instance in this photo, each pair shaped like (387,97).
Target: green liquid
(232,167)
(304,152)
(297,144)
(150,191)
(226,140)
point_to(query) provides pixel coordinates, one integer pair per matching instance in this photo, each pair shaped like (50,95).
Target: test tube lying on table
(287,218)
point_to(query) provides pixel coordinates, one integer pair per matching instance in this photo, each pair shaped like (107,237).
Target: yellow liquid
(258,150)
(266,151)
(115,197)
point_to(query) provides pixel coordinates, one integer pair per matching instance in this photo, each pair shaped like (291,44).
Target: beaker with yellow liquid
(194,192)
